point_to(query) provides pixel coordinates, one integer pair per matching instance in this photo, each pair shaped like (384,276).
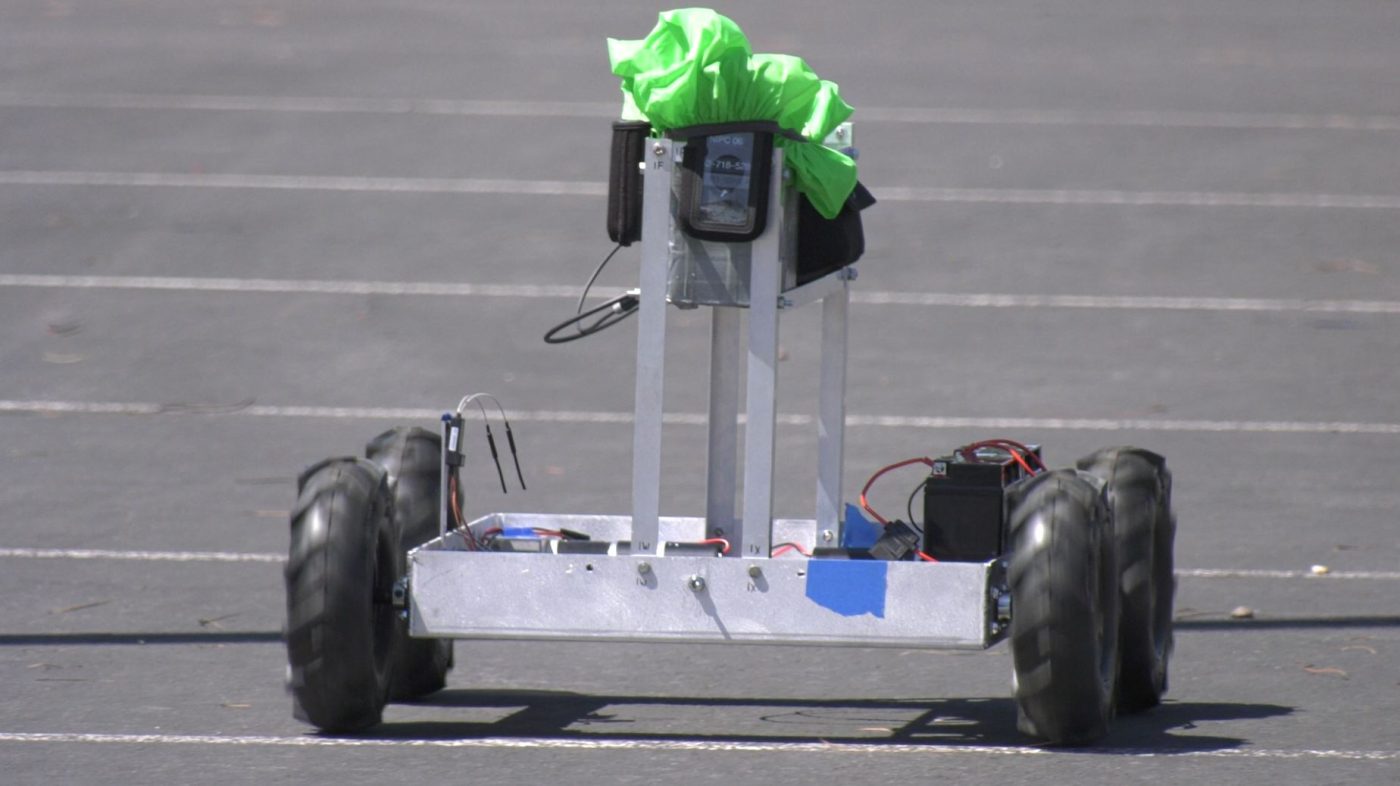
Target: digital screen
(726,180)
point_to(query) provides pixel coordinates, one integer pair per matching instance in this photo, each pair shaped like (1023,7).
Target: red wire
(455,507)
(925,557)
(1019,452)
(866,504)
(720,541)
(784,548)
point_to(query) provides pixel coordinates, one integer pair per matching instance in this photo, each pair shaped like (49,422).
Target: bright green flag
(696,67)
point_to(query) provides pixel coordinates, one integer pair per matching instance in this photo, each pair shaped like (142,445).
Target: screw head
(755,571)
(1003,607)
(828,536)
(658,149)
(696,583)
(644,568)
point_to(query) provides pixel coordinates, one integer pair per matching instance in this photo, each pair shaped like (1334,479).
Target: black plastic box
(965,507)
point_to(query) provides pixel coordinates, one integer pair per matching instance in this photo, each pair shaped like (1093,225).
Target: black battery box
(965,504)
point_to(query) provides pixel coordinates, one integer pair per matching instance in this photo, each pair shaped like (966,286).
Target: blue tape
(848,587)
(859,532)
(519,532)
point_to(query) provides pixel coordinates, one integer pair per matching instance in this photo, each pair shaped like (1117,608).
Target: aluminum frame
(636,592)
(647,597)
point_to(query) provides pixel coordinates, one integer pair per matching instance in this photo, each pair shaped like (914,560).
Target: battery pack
(965,505)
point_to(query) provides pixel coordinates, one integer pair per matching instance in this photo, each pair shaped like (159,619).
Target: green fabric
(696,67)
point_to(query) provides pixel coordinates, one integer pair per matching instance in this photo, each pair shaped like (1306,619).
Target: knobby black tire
(1139,495)
(340,574)
(1064,623)
(411,459)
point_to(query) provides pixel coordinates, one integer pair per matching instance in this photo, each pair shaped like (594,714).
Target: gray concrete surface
(1217,178)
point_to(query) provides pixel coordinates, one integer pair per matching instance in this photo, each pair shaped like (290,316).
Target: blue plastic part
(519,532)
(859,532)
(848,587)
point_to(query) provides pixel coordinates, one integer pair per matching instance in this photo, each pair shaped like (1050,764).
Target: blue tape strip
(848,587)
(859,532)
(519,532)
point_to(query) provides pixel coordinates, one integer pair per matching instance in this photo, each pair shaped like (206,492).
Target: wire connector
(898,542)
(452,439)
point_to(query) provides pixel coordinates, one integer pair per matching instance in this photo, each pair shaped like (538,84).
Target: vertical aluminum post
(761,403)
(831,410)
(651,348)
(444,476)
(721,486)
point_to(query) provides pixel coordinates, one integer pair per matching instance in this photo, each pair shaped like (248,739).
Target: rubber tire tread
(411,458)
(1139,494)
(339,575)
(1064,587)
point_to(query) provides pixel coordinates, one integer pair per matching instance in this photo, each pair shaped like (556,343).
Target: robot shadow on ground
(989,722)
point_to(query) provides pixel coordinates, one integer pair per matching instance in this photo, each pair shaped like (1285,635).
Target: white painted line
(878,298)
(323,104)
(1027,196)
(392,185)
(1128,424)
(497,187)
(143,556)
(699,419)
(298,287)
(672,746)
(581,109)
(1128,118)
(1126,302)
(1344,575)
(226,556)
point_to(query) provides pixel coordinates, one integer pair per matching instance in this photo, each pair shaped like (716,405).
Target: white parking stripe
(675,746)
(300,287)
(428,185)
(1128,302)
(1027,196)
(876,298)
(698,419)
(142,556)
(1128,118)
(393,185)
(599,109)
(318,104)
(1343,575)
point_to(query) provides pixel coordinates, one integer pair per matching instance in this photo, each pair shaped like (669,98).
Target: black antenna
(510,439)
(490,440)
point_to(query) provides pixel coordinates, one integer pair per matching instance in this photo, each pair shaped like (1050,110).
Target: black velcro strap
(629,140)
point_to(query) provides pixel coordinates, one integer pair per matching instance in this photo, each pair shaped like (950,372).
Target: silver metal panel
(723,457)
(831,409)
(843,135)
(703,599)
(716,273)
(817,289)
(761,403)
(444,478)
(651,346)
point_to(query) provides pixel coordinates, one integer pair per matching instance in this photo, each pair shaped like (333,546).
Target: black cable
(510,438)
(613,311)
(909,506)
(597,271)
(617,309)
(491,441)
